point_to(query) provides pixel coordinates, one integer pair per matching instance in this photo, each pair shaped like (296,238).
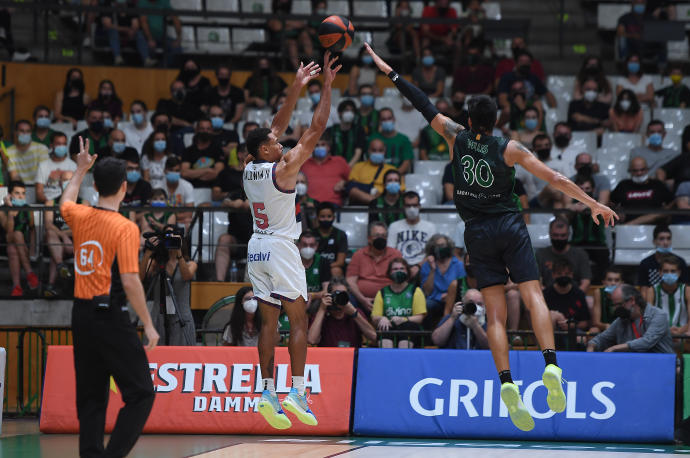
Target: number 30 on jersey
(479,172)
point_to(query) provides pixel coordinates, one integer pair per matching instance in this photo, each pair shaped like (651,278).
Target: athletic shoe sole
(517,410)
(303,416)
(556,397)
(276,420)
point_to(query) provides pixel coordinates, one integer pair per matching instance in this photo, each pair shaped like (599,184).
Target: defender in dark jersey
(496,236)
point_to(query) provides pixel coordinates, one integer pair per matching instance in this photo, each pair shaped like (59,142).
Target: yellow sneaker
(510,393)
(269,407)
(552,382)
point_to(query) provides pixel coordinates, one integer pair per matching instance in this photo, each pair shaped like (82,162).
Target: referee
(106,264)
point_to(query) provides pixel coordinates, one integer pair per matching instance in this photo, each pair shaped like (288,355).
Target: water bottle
(234,272)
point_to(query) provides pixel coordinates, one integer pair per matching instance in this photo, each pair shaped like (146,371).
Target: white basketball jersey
(273,209)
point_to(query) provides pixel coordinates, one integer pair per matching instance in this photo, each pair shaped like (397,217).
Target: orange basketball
(336,33)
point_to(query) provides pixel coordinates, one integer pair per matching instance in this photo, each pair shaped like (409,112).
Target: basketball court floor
(21,438)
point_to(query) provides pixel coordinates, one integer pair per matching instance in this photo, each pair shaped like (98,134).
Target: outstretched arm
(517,153)
(84,163)
(303,76)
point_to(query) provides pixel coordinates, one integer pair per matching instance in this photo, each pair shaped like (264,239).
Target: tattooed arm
(448,129)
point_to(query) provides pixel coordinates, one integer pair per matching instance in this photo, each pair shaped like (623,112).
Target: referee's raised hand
(84,159)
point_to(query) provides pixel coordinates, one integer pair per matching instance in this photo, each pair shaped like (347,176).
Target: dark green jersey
(484,184)
(318,273)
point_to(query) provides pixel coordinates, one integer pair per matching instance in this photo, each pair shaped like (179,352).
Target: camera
(168,239)
(469,308)
(339,298)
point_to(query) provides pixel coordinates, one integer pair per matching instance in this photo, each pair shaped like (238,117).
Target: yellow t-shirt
(364,172)
(408,302)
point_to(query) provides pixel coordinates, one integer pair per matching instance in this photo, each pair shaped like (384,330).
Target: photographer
(169,248)
(453,328)
(338,323)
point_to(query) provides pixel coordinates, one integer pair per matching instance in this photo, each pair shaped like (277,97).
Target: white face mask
(250,305)
(348,116)
(625,104)
(411,212)
(307,252)
(640,179)
(301,189)
(591,96)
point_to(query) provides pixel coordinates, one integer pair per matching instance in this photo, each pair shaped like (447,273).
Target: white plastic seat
(608,14)
(584,141)
(621,140)
(674,119)
(430,168)
(64,127)
(538,234)
(202,195)
(256,6)
(680,236)
(89,194)
(341,7)
(375,8)
(353,217)
(301,7)
(188,42)
(225,6)
(30,196)
(677,50)
(356,234)
(633,243)
(492,10)
(449,216)
(213,40)
(258,115)
(194,5)
(361,37)
(541,218)
(428,188)
(561,84)
(395,103)
(242,38)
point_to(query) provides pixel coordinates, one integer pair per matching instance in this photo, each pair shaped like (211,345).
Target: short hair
(20,122)
(482,111)
(306,235)
(203,119)
(108,175)
(337,281)
(670,259)
(563,124)
(629,292)
(325,206)
(411,195)
(374,224)
(326,137)
(387,109)
(392,172)
(538,138)
(138,102)
(401,261)
(347,103)
(159,192)
(365,86)
(561,264)
(582,179)
(57,134)
(172,162)
(431,244)
(559,221)
(614,270)
(659,228)
(655,122)
(256,138)
(130,155)
(15,184)
(39,108)
(159,113)
(314,83)
(93,109)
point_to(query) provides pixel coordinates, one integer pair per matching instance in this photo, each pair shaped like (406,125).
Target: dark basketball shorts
(499,245)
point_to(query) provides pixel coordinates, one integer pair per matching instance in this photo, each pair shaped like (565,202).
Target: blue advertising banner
(455,393)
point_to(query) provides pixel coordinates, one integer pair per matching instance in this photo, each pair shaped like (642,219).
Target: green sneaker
(299,405)
(552,381)
(510,393)
(269,407)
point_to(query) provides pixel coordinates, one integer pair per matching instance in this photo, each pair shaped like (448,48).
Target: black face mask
(223,81)
(458,105)
(622,313)
(469,270)
(562,281)
(264,71)
(585,169)
(516,52)
(379,243)
(96,126)
(442,252)
(325,223)
(523,70)
(178,95)
(592,70)
(399,277)
(559,244)
(189,74)
(442,10)
(543,154)
(77,84)
(203,136)
(561,140)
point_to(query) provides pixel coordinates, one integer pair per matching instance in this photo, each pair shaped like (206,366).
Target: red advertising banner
(211,390)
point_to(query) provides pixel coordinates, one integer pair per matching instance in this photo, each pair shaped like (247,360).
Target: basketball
(336,33)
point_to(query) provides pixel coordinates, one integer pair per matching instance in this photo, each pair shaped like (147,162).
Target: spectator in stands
(108,124)
(367,272)
(566,302)
(138,190)
(24,157)
(602,185)
(293,33)
(439,269)
(529,127)
(339,326)
(520,102)
(332,241)
(263,85)
(4,145)
(6,37)
(473,30)
(316,267)
(399,152)
(363,71)
(116,145)
(593,70)
(227,96)
(391,199)
(677,95)
(306,204)
(559,231)
(403,39)
(227,139)
(563,151)
(517,47)
(161,122)
(636,82)
(648,271)
(203,160)
(58,238)
(158,220)
(626,114)
(440,37)
(182,113)
(639,327)
(42,132)
(682,203)
(20,233)
(588,113)
(368,116)
(539,193)
(671,294)
(410,122)
(473,76)
(153,33)
(245,320)
(248,127)
(453,329)
(153,161)
(432,146)
(654,153)
(94,133)
(410,235)
(294,130)
(327,174)
(118,27)
(108,100)
(629,31)
(49,176)
(348,138)
(314,94)
(71,101)
(603,312)
(677,170)
(140,129)
(458,112)
(430,78)
(180,191)
(400,306)
(636,195)
(196,85)
(365,182)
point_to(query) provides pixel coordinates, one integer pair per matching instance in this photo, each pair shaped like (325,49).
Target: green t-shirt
(386,217)
(156,22)
(587,232)
(46,139)
(368,123)
(318,273)
(398,148)
(434,144)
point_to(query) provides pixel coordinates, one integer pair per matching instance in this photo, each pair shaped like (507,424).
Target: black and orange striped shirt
(105,245)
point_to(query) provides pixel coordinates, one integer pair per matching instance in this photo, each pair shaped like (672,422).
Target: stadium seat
(355,226)
(677,50)
(608,14)
(585,141)
(674,119)
(561,86)
(621,140)
(89,194)
(361,37)
(374,8)
(187,139)
(683,11)
(539,235)
(541,218)
(242,38)
(633,243)
(225,6)
(450,215)
(681,241)
(416,8)
(214,225)
(188,37)
(30,194)
(353,217)
(303,104)
(256,6)
(447,229)
(259,115)
(202,195)
(388,102)
(213,40)
(428,188)
(341,7)
(493,10)
(430,168)
(301,7)
(189,5)
(551,118)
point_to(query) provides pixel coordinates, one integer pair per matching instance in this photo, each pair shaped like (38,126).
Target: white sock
(298,384)
(269,384)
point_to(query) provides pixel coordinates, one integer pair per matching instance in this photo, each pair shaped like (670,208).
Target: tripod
(165,290)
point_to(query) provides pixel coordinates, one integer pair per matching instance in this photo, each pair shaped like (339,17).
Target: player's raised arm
(84,162)
(442,124)
(517,153)
(282,119)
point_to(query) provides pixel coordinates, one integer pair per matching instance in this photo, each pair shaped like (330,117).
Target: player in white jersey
(273,260)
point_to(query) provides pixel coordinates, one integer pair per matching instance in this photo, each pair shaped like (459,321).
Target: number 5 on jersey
(260,218)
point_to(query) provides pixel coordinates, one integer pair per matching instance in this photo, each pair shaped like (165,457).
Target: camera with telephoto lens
(469,308)
(339,300)
(169,239)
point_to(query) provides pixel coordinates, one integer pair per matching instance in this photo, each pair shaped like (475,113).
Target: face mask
(442,252)
(250,305)
(43,122)
(634,67)
(625,104)
(172,177)
(669,278)
(108,123)
(158,203)
(307,252)
(622,313)
(412,212)
(543,154)
(379,243)
(133,176)
(223,81)
(561,140)
(562,281)
(675,79)
(661,249)
(159,145)
(531,123)
(325,223)
(217,122)
(320,152)
(77,84)
(24,139)
(178,95)
(315,97)
(591,96)
(189,73)
(60,151)
(387,126)
(428,61)
(203,137)
(348,116)
(118,147)
(137,118)
(559,244)
(585,169)
(399,277)
(367,60)
(639,9)
(609,289)
(655,139)
(639,179)
(18,202)
(376,158)
(367,100)
(301,189)
(96,126)
(523,70)
(392,187)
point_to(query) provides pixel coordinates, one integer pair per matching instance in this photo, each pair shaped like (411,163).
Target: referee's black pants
(105,344)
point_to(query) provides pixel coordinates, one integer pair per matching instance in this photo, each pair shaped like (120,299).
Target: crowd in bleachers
(623,139)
